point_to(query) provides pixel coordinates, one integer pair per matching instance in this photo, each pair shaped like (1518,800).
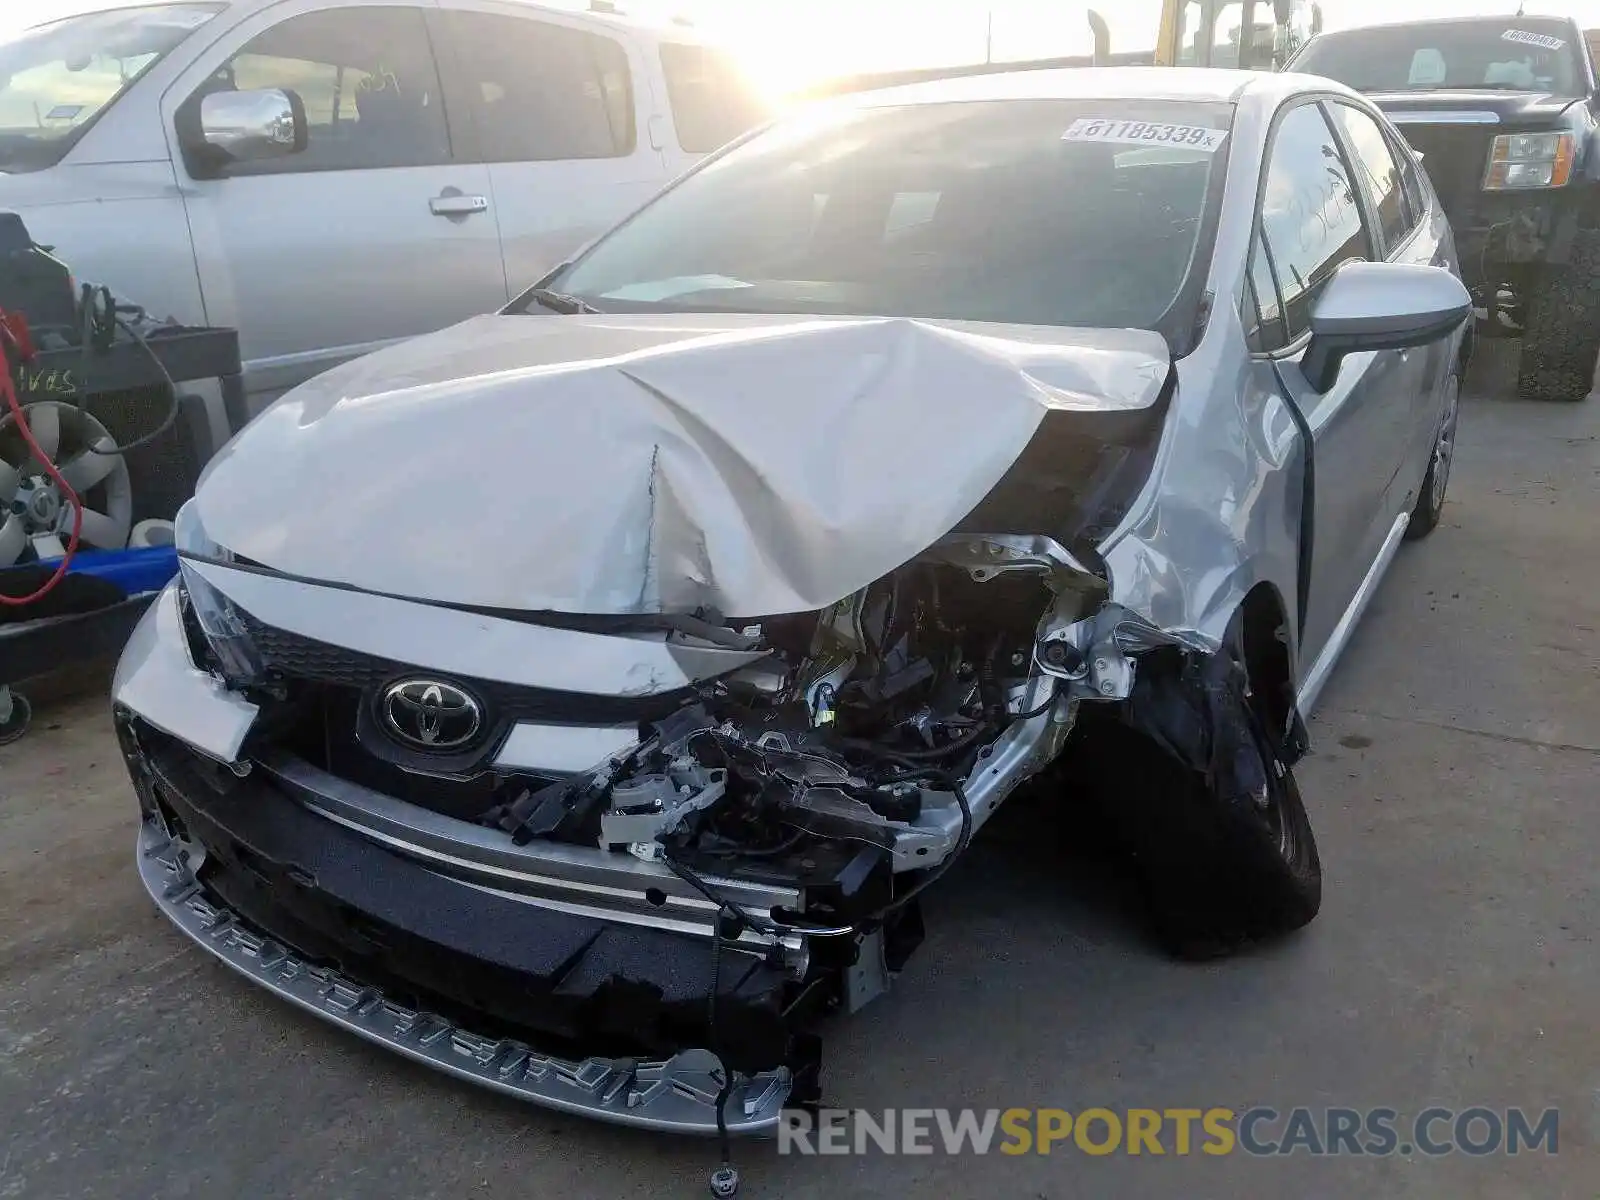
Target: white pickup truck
(330,176)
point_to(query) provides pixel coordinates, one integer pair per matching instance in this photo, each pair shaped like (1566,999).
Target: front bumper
(223,870)
(1494,231)
(676,1095)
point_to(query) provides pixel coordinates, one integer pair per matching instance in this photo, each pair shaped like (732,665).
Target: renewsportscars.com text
(1261,1131)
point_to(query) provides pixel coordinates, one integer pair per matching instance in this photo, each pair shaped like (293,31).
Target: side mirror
(1380,306)
(251,126)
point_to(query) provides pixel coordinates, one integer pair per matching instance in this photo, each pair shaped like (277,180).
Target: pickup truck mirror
(251,126)
(1380,306)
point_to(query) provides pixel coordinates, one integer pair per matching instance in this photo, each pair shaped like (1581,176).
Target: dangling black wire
(723,1140)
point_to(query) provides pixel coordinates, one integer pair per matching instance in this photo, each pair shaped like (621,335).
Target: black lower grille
(579,985)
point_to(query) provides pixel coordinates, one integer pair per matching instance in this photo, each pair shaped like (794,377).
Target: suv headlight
(233,655)
(1530,160)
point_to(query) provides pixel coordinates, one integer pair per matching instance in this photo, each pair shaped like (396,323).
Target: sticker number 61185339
(1144,133)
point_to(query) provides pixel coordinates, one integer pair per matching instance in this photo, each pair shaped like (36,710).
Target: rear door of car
(559,111)
(375,232)
(1311,221)
(1407,237)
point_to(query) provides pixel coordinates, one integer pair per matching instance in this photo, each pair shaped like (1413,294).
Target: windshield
(1042,212)
(1515,53)
(56,79)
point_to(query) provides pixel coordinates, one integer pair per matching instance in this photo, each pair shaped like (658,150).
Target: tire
(1214,876)
(17,721)
(1561,341)
(1431,496)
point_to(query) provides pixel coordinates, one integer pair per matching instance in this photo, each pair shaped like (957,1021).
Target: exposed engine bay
(870,741)
(850,760)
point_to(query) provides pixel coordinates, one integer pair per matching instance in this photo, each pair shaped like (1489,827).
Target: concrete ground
(1454,795)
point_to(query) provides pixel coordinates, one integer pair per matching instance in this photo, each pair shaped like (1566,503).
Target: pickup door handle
(454,204)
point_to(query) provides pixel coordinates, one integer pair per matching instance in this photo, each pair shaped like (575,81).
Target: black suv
(1504,114)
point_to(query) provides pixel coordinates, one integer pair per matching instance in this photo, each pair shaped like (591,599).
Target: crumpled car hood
(608,464)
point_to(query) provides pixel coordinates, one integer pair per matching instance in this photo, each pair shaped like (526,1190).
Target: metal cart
(91,613)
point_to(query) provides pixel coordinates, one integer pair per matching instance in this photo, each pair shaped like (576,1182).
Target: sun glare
(787,47)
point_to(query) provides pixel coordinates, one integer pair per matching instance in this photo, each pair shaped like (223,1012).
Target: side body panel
(548,210)
(316,267)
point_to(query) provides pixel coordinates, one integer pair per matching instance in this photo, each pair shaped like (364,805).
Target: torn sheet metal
(641,464)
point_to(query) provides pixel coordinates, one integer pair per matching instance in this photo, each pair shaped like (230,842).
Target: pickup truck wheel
(1562,338)
(1430,499)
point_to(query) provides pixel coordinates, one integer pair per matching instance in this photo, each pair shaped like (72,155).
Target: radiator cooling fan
(35,516)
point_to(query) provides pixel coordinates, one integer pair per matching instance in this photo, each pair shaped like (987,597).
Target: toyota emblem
(430,714)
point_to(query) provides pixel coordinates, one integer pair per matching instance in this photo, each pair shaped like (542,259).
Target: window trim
(186,114)
(1412,176)
(1351,156)
(1296,345)
(1253,335)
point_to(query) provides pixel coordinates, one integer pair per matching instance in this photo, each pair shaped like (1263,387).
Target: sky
(787,44)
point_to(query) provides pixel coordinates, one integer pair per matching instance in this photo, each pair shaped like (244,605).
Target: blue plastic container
(134,571)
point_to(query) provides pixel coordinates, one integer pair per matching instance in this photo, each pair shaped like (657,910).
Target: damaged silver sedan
(583,699)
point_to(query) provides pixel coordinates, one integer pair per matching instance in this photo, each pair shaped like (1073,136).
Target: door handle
(455,204)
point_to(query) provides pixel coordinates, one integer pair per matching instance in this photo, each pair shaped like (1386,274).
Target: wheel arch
(1265,633)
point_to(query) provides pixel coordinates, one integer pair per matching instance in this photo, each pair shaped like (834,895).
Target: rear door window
(712,102)
(541,92)
(1378,172)
(1416,191)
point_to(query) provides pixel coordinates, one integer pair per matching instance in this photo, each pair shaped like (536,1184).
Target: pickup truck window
(712,102)
(1504,53)
(367,79)
(541,92)
(56,79)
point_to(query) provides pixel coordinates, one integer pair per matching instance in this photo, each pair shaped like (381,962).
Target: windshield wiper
(1482,87)
(558,302)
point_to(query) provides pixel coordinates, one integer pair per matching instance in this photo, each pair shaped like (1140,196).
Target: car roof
(662,25)
(1201,85)
(1464,19)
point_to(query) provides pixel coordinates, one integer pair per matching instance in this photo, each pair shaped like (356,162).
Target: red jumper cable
(16,340)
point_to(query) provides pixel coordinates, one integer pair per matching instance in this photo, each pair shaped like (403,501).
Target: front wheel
(1430,500)
(1239,874)
(1217,871)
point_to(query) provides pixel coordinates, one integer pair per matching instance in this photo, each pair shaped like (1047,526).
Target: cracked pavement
(1454,795)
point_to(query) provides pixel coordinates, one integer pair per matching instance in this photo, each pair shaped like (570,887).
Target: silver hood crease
(654,464)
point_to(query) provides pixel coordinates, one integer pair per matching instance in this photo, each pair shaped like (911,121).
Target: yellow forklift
(1192,33)
(1252,35)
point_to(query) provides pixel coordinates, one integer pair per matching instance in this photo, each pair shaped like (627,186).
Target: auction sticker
(1144,133)
(1543,40)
